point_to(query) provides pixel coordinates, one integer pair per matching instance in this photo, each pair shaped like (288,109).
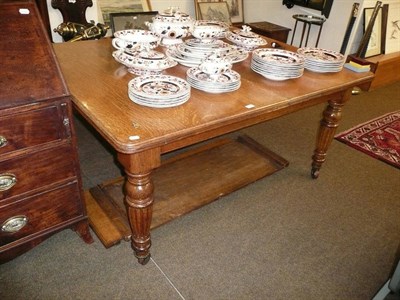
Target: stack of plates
(159,91)
(225,82)
(321,60)
(193,51)
(277,64)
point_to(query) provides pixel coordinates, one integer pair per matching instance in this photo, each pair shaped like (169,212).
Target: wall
(273,11)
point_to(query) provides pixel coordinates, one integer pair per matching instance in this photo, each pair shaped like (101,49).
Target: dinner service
(277,64)
(215,64)
(159,91)
(207,31)
(144,62)
(135,40)
(172,26)
(192,52)
(245,38)
(227,81)
(322,60)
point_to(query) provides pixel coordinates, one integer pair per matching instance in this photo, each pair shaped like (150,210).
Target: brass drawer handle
(14,224)
(3,141)
(7,181)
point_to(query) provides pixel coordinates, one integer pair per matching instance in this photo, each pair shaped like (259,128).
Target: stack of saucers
(159,91)
(321,60)
(277,64)
(227,81)
(214,75)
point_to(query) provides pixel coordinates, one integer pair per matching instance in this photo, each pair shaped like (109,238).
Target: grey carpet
(283,237)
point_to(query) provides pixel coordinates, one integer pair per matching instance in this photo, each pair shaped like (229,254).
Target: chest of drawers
(40,184)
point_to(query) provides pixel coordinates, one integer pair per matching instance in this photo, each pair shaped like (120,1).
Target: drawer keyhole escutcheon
(3,141)
(7,181)
(14,224)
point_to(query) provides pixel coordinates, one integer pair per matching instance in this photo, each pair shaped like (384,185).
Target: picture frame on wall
(393,31)
(131,20)
(214,11)
(235,9)
(196,6)
(108,7)
(375,41)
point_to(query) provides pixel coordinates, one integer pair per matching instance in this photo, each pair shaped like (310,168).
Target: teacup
(135,40)
(215,64)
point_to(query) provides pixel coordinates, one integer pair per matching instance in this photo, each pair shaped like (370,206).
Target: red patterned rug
(379,138)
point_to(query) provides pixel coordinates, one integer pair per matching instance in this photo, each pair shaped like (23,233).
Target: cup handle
(117,43)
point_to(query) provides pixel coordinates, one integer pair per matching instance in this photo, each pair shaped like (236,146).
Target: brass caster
(144,260)
(314,173)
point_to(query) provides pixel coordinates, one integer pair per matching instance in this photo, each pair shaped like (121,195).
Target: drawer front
(39,213)
(39,169)
(30,128)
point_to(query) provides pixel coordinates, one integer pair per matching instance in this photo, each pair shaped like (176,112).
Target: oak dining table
(141,135)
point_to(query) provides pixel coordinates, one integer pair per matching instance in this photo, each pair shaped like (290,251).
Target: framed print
(235,9)
(133,20)
(196,6)
(393,29)
(121,6)
(375,44)
(215,11)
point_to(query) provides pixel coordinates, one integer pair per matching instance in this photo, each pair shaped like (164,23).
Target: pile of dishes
(193,51)
(214,75)
(207,31)
(133,40)
(144,62)
(172,26)
(135,51)
(277,64)
(159,91)
(321,60)
(245,38)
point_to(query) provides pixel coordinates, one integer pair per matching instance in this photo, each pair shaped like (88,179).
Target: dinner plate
(159,90)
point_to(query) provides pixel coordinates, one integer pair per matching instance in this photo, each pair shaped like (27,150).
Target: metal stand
(307,21)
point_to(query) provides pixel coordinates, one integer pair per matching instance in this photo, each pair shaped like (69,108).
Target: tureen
(135,40)
(172,25)
(208,30)
(144,62)
(246,38)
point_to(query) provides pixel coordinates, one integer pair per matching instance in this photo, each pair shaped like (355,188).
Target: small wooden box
(270,30)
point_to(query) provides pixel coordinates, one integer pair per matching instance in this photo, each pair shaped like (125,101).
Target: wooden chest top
(29,71)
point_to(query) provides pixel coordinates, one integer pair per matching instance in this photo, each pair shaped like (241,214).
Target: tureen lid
(246,32)
(173,13)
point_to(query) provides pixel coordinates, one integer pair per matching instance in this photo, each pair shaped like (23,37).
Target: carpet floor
(285,236)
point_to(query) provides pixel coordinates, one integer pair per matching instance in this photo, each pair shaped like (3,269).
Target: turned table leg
(139,198)
(329,122)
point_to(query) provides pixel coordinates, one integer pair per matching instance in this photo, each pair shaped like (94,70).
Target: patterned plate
(163,87)
(277,56)
(322,55)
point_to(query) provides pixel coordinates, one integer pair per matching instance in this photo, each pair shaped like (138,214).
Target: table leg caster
(314,173)
(144,260)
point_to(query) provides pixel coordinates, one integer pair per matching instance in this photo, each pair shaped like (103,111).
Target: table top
(99,86)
